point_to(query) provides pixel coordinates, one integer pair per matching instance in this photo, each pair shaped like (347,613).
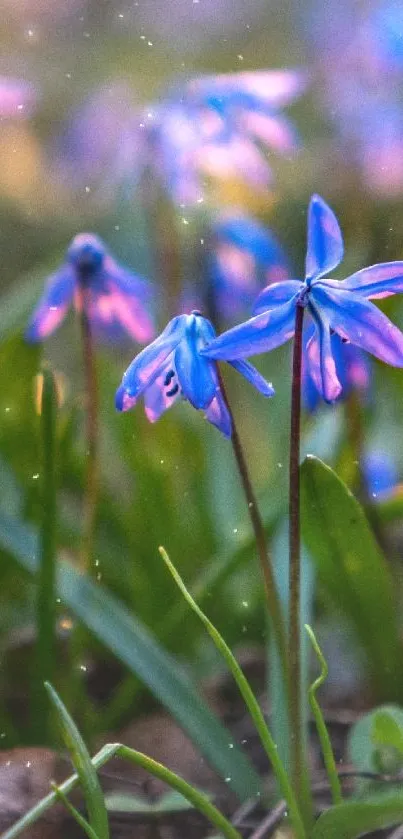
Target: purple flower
(116,300)
(172,367)
(333,306)
(245,257)
(213,126)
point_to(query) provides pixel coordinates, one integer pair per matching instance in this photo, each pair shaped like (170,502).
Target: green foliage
(353,572)
(356,818)
(376,741)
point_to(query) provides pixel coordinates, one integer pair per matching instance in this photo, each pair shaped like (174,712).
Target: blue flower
(172,367)
(244,258)
(333,306)
(352,369)
(115,299)
(380,472)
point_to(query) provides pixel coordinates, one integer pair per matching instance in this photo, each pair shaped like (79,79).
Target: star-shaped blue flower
(116,300)
(353,371)
(172,367)
(333,306)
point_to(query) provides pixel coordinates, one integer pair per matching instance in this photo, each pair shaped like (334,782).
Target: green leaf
(81,821)
(94,799)
(353,571)
(375,742)
(117,628)
(356,818)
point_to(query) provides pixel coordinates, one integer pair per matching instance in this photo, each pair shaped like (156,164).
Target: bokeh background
(68,163)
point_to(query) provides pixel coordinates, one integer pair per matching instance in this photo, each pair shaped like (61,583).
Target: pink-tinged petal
(238,158)
(260,334)
(116,313)
(325,242)
(236,266)
(147,365)
(123,401)
(376,281)
(360,322)
(321,362)
(276,295)
(274,131)
(275,87)
(254,377)
(53,305)
(217,414)
(159,396)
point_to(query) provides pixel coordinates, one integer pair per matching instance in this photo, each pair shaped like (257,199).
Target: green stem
(46,601)
(323,734)
(270,585)
(294,652)
(91,405)
(250,701)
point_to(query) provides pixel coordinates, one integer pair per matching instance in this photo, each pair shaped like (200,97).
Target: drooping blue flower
(172,367)
(341,307)
(244,258)
(352,369)
(116,300)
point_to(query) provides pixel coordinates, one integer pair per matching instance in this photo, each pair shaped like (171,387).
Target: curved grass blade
(323,734)
(249,699)
(94,798)
(117,628)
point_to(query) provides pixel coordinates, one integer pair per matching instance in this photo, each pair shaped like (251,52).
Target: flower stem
(294,650)
(91,405)
(270,586)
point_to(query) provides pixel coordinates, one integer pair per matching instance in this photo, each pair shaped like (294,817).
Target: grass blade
(81,821)
(249,698)
(323,734)
(94,799)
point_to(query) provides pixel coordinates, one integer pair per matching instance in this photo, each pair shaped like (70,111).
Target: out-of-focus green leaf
(357,818)
(18,367)
(375,742)
(128,639)
(353,571)
(390,507)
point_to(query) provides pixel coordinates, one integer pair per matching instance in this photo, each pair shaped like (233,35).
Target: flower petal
(53,305)
(217,414)
(360,322)
(276,294)
(274,87)
(123,401)
(377,281)
(325,241)
(254,377)
(117,314)
(197,376)
(160,396)
(259,334)
(322,367)
(145,368)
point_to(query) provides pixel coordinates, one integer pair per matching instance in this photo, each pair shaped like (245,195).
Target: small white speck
(28,764)
(150,43)
(235,530)
(35,477)
(245,604)
(240,57)
(88,189)
(202,241)
(83,667)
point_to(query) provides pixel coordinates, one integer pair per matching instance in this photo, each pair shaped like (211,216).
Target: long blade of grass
(323,733)
(94,799)
(46,598)
(130,641)
(249,699)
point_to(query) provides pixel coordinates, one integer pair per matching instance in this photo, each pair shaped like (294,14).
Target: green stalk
(46,600)
(92,410)
(250,701)
(323,733)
